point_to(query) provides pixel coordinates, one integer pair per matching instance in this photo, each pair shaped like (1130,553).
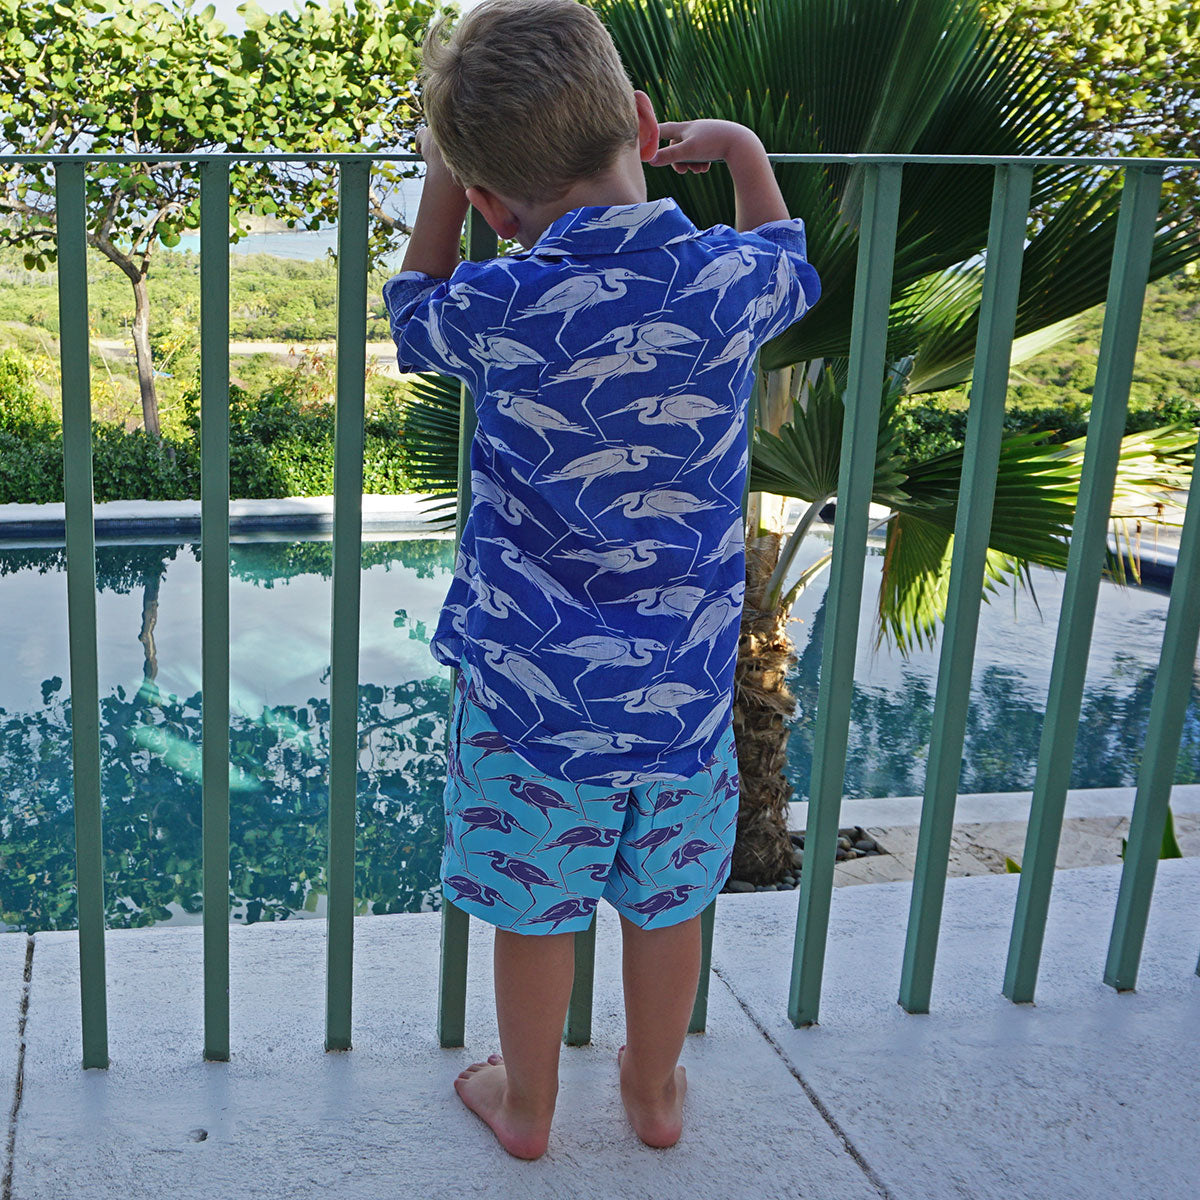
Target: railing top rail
(976,160)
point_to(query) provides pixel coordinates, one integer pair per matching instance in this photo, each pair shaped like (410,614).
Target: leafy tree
(1128,70)
(140,77)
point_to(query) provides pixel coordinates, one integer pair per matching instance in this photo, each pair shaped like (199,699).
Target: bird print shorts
(534,854)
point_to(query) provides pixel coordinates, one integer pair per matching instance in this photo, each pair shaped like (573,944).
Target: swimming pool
(149,652)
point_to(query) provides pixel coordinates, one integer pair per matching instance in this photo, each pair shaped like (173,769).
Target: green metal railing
(883,182)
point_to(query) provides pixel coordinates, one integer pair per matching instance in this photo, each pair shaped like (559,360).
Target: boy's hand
(427,148)
(695,144)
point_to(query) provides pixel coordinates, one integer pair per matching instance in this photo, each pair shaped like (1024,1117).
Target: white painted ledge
(993,806)
(1086,1093)
(403,513)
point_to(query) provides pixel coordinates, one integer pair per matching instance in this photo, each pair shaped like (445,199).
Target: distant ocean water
(309,245)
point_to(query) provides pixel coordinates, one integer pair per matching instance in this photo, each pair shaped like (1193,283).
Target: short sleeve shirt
(598,586)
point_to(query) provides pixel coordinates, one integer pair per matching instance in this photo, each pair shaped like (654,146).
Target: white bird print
(529,677)
(658,335)
(459,294)
(661,502)
(504,353)
(496,601)
(664,698)
(721,274)
(709,624)
(609,366)
(602,463)
(586,741)
(437,340)
(464,564)
(458,617)
(768,305)
(540,578)
(707,727)
(622,559)
(601,651)
(494,443)
(514,511)
(628,779)
(727,439)
(524,410)
(736,349)
(687,410)
(629,217)
(732,543)
(581,292)
(681,600)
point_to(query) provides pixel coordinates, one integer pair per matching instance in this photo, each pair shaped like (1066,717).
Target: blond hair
(527,97)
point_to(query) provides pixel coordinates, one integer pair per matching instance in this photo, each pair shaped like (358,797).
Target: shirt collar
(600,229)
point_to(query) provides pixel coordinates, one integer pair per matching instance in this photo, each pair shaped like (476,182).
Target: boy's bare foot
(483,1089)
(656,1119)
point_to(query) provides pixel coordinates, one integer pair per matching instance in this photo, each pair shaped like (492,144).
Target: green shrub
(281,443)
(927,427)
(24,411)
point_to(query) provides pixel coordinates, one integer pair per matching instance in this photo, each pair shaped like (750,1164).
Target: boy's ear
(648,136)
(495,212)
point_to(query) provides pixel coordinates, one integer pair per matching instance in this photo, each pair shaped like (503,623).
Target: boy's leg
(661,969)
(515,1092)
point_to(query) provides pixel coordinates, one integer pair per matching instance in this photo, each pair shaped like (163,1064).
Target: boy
(595,605)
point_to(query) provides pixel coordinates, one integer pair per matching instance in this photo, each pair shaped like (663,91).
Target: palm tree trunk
(763,705)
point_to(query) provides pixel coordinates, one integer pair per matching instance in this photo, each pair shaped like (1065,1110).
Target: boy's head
(527,98)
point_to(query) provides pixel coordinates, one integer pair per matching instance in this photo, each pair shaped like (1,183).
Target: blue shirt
(597,592)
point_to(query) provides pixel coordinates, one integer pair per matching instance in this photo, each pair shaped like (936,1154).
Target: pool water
(149,654)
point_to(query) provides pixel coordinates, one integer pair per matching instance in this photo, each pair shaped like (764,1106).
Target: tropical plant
(139,76)
(905,77)
(882,76)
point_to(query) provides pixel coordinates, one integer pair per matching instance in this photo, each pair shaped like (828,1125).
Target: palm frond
(430,456)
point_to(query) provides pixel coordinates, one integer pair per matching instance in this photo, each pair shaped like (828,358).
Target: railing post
(1168,709)
(1114,372)
(214,587)
(972,527)
(452,965)
(71,216)
(864,393)
(347,582)
(577,1030)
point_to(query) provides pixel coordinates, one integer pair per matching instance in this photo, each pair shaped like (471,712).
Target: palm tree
(879,76)
(904,77)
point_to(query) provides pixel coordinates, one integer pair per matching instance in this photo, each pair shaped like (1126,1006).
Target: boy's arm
(434,245)
(694,144)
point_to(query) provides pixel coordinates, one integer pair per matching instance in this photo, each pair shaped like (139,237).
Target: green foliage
(139,76)
(1126,69)
(924,427)
(903,77)
(1170,842)
(281,444)
(24,411)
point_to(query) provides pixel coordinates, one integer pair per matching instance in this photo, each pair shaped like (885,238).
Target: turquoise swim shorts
(534,854)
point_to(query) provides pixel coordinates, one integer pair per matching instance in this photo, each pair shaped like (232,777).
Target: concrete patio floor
(1086,1093)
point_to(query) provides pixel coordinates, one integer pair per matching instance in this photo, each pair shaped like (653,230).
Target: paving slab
(12,993)
(285,1119)
(1085,1093)
(978,807)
